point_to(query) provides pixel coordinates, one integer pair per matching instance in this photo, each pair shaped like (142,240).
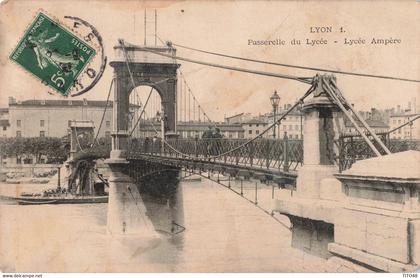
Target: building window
(4,128)
(42,134)
(257,132)
(18,133)
(250,131)
(18,123)
(250,125)
(107,134)
(257,125)
(42,123)
(108,123)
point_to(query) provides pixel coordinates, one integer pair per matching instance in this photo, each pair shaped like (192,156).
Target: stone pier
(126,210)
(379,223)
(127,214)
(364,219)
(318,192)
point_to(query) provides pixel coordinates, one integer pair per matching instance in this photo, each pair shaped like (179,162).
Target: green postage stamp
(52,53)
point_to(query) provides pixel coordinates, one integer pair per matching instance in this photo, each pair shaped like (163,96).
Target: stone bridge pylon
(135,66)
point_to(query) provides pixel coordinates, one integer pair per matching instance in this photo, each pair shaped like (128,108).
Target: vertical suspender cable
(185,103)
(189,105)
(145,27)
(194,109)
(155,27)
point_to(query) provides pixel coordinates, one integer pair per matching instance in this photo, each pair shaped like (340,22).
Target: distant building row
(33,118)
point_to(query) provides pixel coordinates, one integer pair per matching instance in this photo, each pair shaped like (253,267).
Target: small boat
(69,199)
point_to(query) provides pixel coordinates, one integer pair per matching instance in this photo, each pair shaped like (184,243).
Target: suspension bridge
(318,168)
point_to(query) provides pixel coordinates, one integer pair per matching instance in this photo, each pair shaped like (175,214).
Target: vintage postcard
(209,136)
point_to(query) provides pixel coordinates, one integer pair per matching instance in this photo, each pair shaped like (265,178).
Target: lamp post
(274,99)
(411,128)
(161,119)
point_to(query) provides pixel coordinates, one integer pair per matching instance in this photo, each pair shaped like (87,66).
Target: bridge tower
(79,130)
(135,66)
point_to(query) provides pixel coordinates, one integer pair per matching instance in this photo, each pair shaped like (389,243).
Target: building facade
(192,129)
(50,118)
(255,127)
(4,122)
(409,131)
(291,125)
(378,126)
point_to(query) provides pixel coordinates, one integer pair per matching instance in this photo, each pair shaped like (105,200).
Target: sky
(226,27)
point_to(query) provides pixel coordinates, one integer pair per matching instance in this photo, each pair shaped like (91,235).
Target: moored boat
(69,199)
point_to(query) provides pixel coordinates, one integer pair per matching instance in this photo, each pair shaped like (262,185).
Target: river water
(224,233)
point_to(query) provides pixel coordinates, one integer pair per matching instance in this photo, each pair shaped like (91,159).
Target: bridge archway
(145,123)
(136,66)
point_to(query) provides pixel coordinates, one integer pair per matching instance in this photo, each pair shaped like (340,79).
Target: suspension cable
(311,89)
(194,98)
(145,104)
(142,111)
(295,66)
(368,128)
(348,115)
(133,83)
(103,114)
(313,83)
(245,198)
(307,80)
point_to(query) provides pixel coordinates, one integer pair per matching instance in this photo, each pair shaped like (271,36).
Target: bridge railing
(282,154)
(353,148)
(285,154)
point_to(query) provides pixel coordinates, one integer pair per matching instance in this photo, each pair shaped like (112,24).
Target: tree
(52,148)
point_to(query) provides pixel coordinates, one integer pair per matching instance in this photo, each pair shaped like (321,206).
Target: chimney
(12,100)
(373,113)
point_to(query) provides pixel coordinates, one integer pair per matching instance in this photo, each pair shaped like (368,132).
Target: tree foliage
(53,148)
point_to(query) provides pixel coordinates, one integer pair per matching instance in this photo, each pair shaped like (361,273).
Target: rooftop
(404,115)
(370,122)
(61,102)
(255,121)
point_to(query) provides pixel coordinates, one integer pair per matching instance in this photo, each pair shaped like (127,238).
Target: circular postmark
(94,71)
